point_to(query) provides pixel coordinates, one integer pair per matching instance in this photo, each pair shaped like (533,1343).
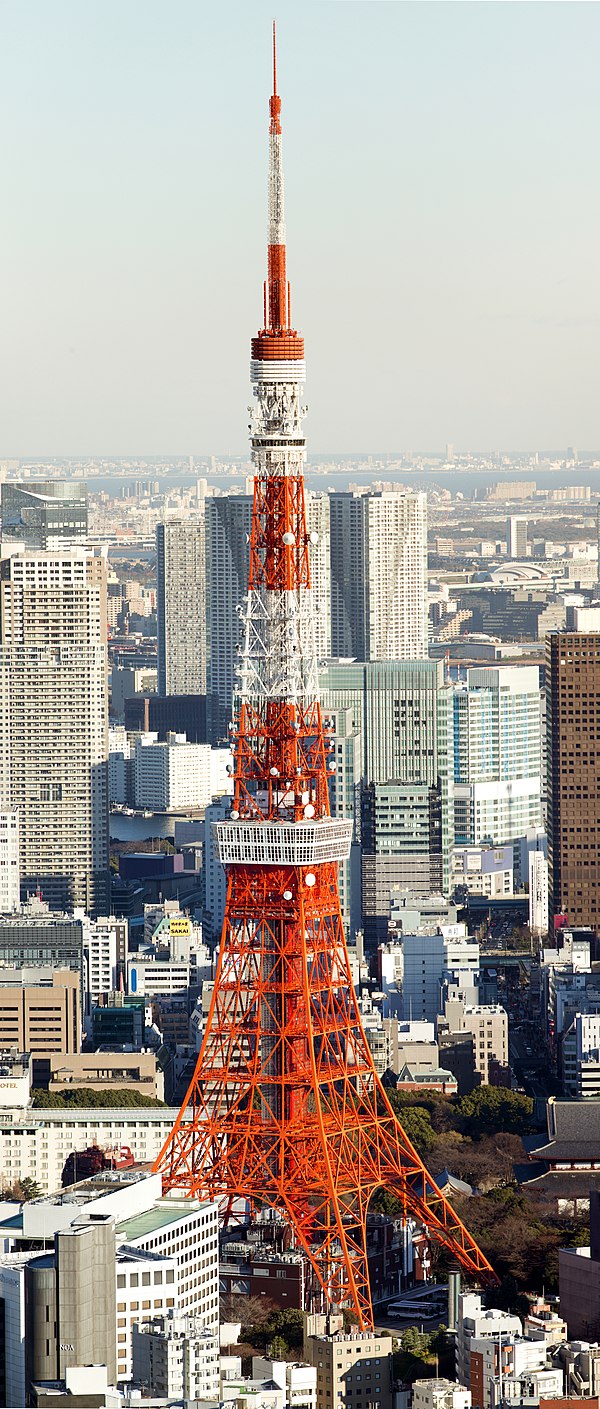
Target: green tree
(87,1098)
(489,1109)
(416,1122)
(22,1191)
(277,1349)
(289,1325)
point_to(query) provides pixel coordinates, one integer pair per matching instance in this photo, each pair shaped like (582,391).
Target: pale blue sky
(443,211)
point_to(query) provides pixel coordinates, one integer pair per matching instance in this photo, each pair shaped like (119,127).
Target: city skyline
(449,209)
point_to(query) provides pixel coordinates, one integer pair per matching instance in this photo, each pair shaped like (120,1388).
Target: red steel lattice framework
(285,1108)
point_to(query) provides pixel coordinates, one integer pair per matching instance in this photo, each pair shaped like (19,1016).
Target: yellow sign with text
(180,924)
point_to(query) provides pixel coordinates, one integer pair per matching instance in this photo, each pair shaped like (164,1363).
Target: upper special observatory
(285,1109)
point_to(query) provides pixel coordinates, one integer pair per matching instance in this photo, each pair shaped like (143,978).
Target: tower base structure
(285,1109)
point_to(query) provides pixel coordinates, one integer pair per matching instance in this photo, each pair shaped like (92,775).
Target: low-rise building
(353,1368)
(440,1394)
(15,1078)
(484,870)
(476,1322)
(102,1070)
(580,1057)
(297,1380)
(176,1356)
(488,1027)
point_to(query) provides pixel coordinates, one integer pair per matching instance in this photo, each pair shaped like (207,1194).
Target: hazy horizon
(442,221)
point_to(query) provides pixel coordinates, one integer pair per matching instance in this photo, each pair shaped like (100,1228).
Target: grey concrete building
(71,1302)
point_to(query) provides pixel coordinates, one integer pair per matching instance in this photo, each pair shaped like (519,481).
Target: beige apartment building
(40,1010)
(488,1026)
(354,1369)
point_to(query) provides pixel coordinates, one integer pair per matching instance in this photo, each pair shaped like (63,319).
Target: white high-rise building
(9,861)
(54,722)
(317,523)
(104,954)
(497,755)
(538,893)
(379,575)
(172,774)
(181,606)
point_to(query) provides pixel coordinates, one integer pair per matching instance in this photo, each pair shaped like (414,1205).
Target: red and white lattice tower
(285,1108)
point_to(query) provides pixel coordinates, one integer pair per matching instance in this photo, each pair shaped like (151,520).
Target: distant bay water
(124,828)
(461,480)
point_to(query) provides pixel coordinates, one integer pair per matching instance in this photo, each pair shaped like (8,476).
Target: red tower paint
(285,1108)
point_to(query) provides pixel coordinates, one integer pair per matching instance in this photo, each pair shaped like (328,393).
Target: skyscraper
(379,575)
(573,757)
(181,606)
(497,754)
(516,537)
(54,722)
(402,711)
(44,514)
(228,524)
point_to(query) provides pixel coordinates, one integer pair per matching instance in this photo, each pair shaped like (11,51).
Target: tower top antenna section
(277,341)
(275,100)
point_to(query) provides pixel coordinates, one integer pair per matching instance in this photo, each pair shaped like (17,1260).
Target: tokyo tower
(285,1109)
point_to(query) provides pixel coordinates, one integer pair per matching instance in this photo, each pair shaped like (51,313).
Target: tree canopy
(87,1098)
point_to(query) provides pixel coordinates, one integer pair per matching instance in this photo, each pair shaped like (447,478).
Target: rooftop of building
(107,1181)
(14,1063)
(17,1118)
(164,1213)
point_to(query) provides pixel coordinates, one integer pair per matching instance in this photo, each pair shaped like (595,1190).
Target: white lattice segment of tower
(277,655)
(276,228)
